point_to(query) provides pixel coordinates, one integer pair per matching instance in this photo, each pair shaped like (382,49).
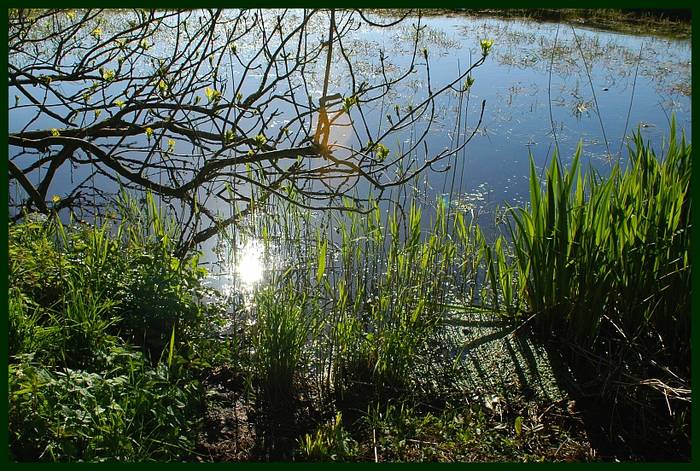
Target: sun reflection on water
(250,266)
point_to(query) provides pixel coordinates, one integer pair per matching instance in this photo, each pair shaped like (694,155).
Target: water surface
(546,86)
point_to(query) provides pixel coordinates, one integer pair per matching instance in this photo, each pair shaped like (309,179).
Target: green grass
(348,351)
(605,271)
(107,333)
(284,323)
(599,267)
(611,255)
(402,432)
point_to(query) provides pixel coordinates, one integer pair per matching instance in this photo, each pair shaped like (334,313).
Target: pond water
(537,88)
(545,86)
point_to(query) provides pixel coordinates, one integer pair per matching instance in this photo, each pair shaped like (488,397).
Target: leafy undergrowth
(392,344)
(106,335)
(483,429)
(480,432)
(616,308)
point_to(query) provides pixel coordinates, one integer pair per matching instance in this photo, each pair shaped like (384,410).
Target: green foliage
(229,136)
(157,290)
(285,322)
(500,278)
(259,140)
(108,75)
(129,412)
(330,442)
(400,432)
(35,263)
(130,269)
(381,151)
(83,301)
(384,323)
(611,255)
(601,265)
(486,45)
(163,87)
(468,82)
(23,319)
(213,96)
(349,102)
(605,269)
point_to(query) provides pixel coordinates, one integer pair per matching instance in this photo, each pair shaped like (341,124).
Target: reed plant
(353,319)
(390,303)
(604,267)
(285,325)
(610,254)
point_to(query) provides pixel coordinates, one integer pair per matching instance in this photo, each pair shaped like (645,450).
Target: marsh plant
(597,268)
(604,267)
(354,320)
(600,257)
(107,334)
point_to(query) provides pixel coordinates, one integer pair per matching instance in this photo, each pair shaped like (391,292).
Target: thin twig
(590,82)
(629,110)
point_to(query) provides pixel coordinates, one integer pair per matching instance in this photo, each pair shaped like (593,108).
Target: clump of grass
(23,322)
(64,322)
(330,442)
(285,324)
(594,252)
(84,385)
(279,364)
(461,432)
(605,268)
(159,291)
(379,340)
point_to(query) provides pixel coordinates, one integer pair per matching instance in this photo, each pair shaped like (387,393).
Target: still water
(546,86)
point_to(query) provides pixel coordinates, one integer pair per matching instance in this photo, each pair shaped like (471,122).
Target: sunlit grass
(352,320)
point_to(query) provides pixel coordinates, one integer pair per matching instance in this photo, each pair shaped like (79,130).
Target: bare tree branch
(221,107)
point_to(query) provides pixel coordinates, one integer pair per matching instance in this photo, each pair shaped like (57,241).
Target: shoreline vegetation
(672,23)
(406,329)
(113,355)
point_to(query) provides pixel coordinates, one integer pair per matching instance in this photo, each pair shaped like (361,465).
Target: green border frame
(499,4)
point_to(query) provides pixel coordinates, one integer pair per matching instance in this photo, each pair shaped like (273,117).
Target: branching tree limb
(217,107)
